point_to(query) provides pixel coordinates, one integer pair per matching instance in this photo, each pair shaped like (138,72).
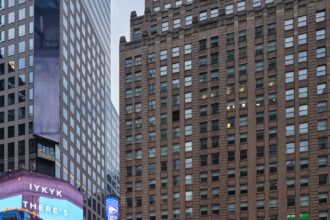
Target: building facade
(224,110)
(54,86)
(112,152)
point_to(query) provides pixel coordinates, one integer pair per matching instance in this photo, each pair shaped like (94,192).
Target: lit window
(188,65)
(203,15)
(320,52)
(290,130)
(321,88)
(188,20)
(320,16)
(302,74)
(289,112)
(321,70)
(290,148)
(289,94)
(302,39)
(214,13)
(288,24)
(241,6)
(176,23)
(302,56)
(229,9)
(302,21)
(303,128)
(187,49)
(288,42)
(320,34)
(289,59)
(289,77)
(256,3)
(164,26)
(303,92)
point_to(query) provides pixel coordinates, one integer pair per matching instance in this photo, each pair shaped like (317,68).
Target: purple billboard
(46,70)
(46,197)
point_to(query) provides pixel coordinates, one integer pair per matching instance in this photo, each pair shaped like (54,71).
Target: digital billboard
(46,69)
(112,208)
(46,197)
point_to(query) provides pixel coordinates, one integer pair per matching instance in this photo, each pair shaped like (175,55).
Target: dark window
(214,58)
(230,38)
(273,186)
(2,85)
(214,41)
(21,129)
(291,201)
(271,28)
(215,158)
(272,115)
(260,152)
(203,127)
(215,125)
(203,160)
(273,150)
(202,44)
(11,83)
(203,143)
(11,115)
(2,117)
(2,68)
(323,142)
(163,166)
(215,108)
(11,99)
(231,156)
(259,31)
(2,101)
(11,131)
(215,141)
(243,154)
(323,179)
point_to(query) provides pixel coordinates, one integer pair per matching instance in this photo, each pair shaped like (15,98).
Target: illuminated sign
(46,197)
(112,208)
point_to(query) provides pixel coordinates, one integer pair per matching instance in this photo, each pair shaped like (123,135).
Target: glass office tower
(54,92)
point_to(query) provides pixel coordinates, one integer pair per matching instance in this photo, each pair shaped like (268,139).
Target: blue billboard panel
(11,203)
(112,208)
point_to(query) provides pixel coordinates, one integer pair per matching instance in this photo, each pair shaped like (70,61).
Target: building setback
(54,86)
(224,110)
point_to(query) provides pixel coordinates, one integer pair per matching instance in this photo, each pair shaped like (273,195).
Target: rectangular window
(288,24)
(302,21)
(164,26)
(229,9)
(320,34)
(320,16)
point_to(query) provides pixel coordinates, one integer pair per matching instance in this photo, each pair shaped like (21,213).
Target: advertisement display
(112,208)
(46,197)
(46,70)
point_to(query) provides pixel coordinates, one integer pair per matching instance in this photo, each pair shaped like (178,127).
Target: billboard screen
(112,208)
(47,197)
(46,69)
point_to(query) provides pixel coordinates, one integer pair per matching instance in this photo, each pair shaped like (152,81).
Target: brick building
(224,110)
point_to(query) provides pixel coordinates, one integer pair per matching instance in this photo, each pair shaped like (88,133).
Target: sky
(120,26)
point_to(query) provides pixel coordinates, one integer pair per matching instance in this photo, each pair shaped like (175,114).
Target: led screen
(47,197)
(46,208)
(112,208)
(11,203)
(46,69)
